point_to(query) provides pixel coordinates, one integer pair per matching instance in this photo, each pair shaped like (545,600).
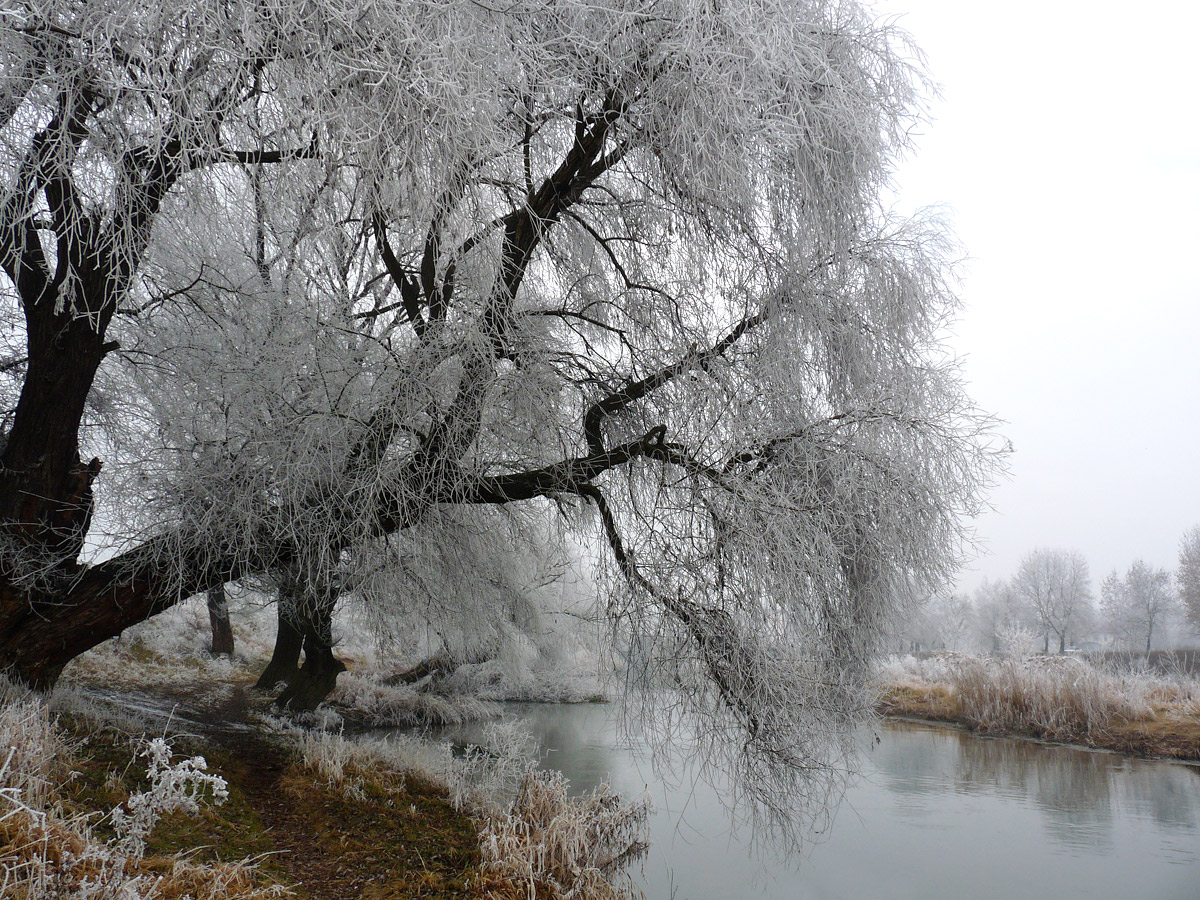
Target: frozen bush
(48,853)
(559,846)
(181,785)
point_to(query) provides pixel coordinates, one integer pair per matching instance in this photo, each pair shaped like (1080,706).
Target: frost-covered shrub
(50,853)
(173,786)
(552,844)
(489,774)
(385,704)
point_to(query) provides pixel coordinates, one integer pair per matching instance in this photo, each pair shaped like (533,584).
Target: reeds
(1054,697)
(553,845)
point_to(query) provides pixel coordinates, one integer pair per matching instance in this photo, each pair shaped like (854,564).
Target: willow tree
(624,258)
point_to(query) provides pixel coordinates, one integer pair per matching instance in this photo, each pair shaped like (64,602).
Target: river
(936,813)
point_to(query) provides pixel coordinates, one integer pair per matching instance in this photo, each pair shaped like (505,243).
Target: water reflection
(937,814)
(1081,794)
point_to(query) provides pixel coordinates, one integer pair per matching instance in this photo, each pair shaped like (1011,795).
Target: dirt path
(258,767)
(390,837)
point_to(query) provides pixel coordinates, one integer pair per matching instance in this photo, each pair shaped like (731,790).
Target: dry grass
(1056,698)
(51,851)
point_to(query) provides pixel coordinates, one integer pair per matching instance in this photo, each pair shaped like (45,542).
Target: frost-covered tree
(1188,575)
(1056,588)
(1136,602)
(998,615)
(350,263)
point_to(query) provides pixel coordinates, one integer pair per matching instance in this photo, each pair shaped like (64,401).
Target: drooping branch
(712,629)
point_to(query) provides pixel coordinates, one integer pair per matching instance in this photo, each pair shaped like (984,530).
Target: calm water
(937,814)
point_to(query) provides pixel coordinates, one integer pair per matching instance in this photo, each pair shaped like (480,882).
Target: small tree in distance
(998,616)
(1136,602)
(1056,588)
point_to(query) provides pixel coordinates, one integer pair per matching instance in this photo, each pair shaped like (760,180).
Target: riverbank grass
(1051,698)
(92,808)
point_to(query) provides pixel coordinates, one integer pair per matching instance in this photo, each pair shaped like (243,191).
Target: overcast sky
(1066,150)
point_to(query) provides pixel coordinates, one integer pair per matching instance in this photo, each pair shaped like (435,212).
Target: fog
(1066,153)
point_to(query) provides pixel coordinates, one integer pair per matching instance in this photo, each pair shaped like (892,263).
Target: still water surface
(937,813)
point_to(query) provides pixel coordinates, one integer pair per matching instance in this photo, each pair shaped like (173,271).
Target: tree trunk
(218,619)
(45,497)
(439,664)
(285,660)
(1062,643)
(318,676)
(45,488)
(43,629)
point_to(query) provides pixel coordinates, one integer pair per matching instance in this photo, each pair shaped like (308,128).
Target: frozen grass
(1060,698)
(51,852)
(536,841)
(380,704)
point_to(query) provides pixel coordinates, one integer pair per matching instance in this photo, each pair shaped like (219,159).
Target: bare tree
(348,264)
(941,624)
(1055,586)
(997,614)
(1188,575)
(1134,603)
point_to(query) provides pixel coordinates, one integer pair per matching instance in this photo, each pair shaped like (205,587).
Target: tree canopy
(307,275)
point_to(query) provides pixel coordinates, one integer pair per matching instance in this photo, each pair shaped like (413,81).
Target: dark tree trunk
(318,676)
(50,611)
(42,630)
(285,660)
(218,619)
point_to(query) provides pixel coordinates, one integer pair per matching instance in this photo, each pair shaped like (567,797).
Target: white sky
(1066,149)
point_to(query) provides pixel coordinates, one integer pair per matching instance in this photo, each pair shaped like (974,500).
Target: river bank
(247,810)
(1050,698)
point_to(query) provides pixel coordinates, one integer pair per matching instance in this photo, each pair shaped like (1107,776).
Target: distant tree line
(1048,605)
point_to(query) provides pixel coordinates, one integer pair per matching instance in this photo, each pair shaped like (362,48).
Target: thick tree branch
(633,391)
(405,283)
